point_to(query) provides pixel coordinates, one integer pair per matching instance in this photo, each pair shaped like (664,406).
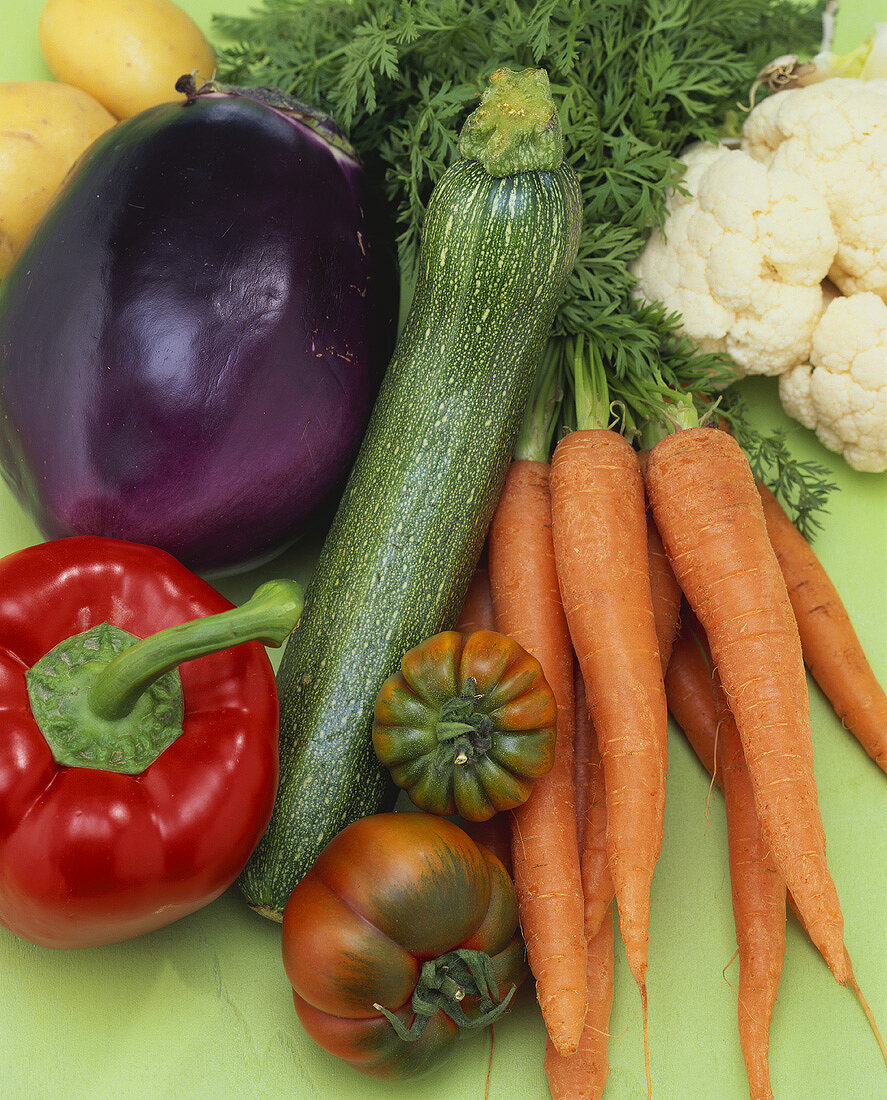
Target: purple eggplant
(191,342)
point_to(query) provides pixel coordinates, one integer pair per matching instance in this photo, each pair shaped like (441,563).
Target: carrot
(831,648)
(666,595)
(664,588)
(688,690)
(707,509)
(591,810)
(477,607)
(583,1075)
(544,839)
(689,684)
(759,900)
(600,543)
(758,890)
(586,754)
(545,846)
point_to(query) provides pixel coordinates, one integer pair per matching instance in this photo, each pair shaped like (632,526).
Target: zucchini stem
(516,128)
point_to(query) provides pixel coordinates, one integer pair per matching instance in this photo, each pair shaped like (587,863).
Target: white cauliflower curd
(742,258)
(842,392)
(834,133)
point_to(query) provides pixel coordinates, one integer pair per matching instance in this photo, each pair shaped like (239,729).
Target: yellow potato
(44,127)
(128,54)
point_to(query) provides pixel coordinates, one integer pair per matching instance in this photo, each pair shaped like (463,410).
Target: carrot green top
(535,436)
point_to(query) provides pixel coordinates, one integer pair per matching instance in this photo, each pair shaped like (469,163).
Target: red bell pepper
(131,791)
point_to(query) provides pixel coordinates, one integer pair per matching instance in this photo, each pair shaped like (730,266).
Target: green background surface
(202,1009)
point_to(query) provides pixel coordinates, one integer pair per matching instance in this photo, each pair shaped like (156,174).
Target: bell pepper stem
(268,616)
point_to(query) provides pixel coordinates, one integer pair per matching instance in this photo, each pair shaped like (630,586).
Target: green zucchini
(496,253)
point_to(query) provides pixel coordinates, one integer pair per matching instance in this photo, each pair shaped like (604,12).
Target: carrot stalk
(831,647)
(706,506)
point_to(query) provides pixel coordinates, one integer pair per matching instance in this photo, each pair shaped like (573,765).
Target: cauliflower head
(742,257)
(842,392)
(835,134)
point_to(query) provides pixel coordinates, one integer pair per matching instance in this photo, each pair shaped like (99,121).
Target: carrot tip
(866,1008)
(643,991)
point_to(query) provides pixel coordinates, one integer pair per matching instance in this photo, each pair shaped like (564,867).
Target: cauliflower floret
(835,134)
(842,392)
(695,158)
(741,259)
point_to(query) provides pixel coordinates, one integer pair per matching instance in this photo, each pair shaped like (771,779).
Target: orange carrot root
(688,689)
(591,809)
(869,1015)
(759,904)
(666,595)
(708,512)
(583,1075)
(477,608)
(545,846)
(691,701)
(832,650)
(600,540)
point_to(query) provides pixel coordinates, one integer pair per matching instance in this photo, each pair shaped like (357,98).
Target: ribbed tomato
(402,934)
(467,725)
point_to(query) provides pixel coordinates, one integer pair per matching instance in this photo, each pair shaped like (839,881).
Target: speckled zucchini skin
(496,254)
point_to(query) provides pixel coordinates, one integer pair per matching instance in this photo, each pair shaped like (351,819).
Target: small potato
(128,54)
(44,127)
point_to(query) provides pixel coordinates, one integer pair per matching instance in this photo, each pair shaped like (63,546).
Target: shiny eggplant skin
(191,342)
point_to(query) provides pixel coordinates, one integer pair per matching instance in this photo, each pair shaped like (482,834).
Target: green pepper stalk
(105,699)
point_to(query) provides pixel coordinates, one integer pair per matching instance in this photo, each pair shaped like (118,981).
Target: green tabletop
(202,1009)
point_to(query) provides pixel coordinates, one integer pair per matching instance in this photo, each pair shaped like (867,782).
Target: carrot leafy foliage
(635,82)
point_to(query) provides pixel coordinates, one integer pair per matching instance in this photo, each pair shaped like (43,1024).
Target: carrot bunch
(590,556)
(736,685)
